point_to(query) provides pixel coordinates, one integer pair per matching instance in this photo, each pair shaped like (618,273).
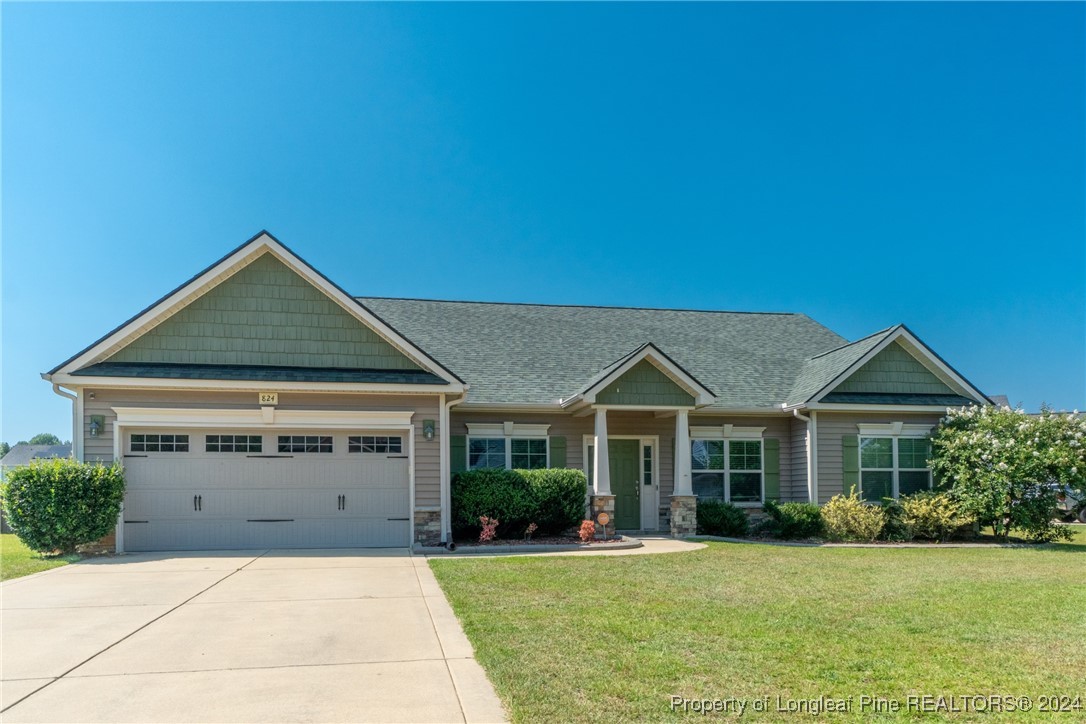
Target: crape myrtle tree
(1000,465)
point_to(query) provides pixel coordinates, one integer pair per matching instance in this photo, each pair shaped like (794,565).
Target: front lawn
(614,638)
(17,560)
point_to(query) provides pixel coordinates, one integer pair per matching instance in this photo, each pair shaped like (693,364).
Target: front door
(625,466)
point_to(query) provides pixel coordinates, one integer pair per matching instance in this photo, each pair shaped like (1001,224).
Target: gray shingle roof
(24,453)
(821,369)
(538,354)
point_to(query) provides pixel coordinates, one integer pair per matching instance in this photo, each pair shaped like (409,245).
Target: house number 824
(269,398)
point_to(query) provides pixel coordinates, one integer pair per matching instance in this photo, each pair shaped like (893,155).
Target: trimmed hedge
(849,518)
(793,520)
(55,505)
(552,498)
(715,517)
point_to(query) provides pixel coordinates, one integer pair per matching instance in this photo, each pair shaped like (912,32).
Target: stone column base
(684,516)
(428,526)
(605,504)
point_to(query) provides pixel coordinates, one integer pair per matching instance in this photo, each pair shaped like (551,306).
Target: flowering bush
(587,531)
(490,526)
(532,528)
(848,517)
(1000,463)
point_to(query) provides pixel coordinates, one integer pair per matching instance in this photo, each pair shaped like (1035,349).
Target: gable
(894,370)
(266,314)
(644,384)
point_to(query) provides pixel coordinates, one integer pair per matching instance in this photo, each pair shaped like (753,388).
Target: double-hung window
(726,463)
(507,445)
(892,465)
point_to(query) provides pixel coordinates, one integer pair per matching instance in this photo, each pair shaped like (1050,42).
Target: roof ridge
(861,339)
(582,306)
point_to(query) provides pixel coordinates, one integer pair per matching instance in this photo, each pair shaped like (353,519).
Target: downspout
(812,460)
(446,469)
(77,427)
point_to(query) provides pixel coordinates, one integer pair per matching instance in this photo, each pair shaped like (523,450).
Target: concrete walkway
(265,636)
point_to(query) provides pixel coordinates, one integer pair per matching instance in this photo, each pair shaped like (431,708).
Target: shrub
(848,517)
(715,517)
(933,515)
(559,495)
(553,499)
(587,531)
(494,493)
(894,526)
(792,520)
(55,505)
(489,525)
(999,463)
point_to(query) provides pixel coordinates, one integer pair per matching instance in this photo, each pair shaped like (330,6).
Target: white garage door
(239,489)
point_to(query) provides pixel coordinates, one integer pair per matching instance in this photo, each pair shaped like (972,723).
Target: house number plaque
(269,398)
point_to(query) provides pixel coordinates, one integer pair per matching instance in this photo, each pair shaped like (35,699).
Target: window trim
(507,431)
(715,434)
(879,432)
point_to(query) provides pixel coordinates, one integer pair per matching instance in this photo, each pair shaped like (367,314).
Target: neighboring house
(21,455)
(260,405)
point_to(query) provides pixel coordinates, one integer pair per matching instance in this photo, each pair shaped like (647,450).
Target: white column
(683,485)
(601,461)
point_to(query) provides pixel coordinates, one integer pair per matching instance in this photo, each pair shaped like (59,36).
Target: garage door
(244,489)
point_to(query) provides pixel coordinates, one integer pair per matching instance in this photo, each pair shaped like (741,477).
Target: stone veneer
(605,504)
(684,516)
(428,526)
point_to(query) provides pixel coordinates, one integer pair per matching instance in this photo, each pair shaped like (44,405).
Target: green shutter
(772,465)
(850,456)
(458,453)
(558,452)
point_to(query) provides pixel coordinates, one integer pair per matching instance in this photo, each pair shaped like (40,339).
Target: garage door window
(374,444)
(160,443)
(234,443)
(305,443)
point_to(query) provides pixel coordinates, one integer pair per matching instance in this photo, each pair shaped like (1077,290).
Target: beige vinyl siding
(643,424)
(798,461)
(425,407)
(832,426)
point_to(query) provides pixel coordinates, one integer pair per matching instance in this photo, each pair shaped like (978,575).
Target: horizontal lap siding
(425,407)
(798,461)
(834,426)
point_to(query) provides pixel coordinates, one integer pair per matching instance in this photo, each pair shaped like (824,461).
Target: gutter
(812,454)
(77,414)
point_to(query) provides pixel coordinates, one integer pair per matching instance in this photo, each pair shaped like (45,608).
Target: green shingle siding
(644,384)
(894,370)
(266,314)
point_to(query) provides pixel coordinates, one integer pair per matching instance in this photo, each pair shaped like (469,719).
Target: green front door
(625,477)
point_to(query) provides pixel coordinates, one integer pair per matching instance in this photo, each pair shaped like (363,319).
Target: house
(23,454)
(261,405)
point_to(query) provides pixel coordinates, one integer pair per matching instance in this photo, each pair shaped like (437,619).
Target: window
(893,466)
(374,444)
(508,445)
(305,443)
(528,454)
(486,453)
(646,465)
(234,443)
(160,443)
(727,470)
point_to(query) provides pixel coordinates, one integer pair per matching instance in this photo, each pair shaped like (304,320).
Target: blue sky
(866,164)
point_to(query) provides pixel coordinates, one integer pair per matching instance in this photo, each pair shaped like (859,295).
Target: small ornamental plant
(490,527)
(587,531)
(532,528)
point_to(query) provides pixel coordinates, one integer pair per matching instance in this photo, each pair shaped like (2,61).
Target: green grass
(613,638)
(16,560)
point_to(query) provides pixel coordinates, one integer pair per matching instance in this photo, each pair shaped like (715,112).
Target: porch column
(684,506)
(601,462)
(683,485)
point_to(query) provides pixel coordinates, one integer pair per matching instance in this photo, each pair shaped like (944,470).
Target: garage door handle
(194,504)
(342,502)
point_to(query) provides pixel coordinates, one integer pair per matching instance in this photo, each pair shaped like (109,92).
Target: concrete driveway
(285,636)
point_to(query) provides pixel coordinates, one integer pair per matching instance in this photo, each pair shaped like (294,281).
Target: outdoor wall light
(428,429)
(95,425)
